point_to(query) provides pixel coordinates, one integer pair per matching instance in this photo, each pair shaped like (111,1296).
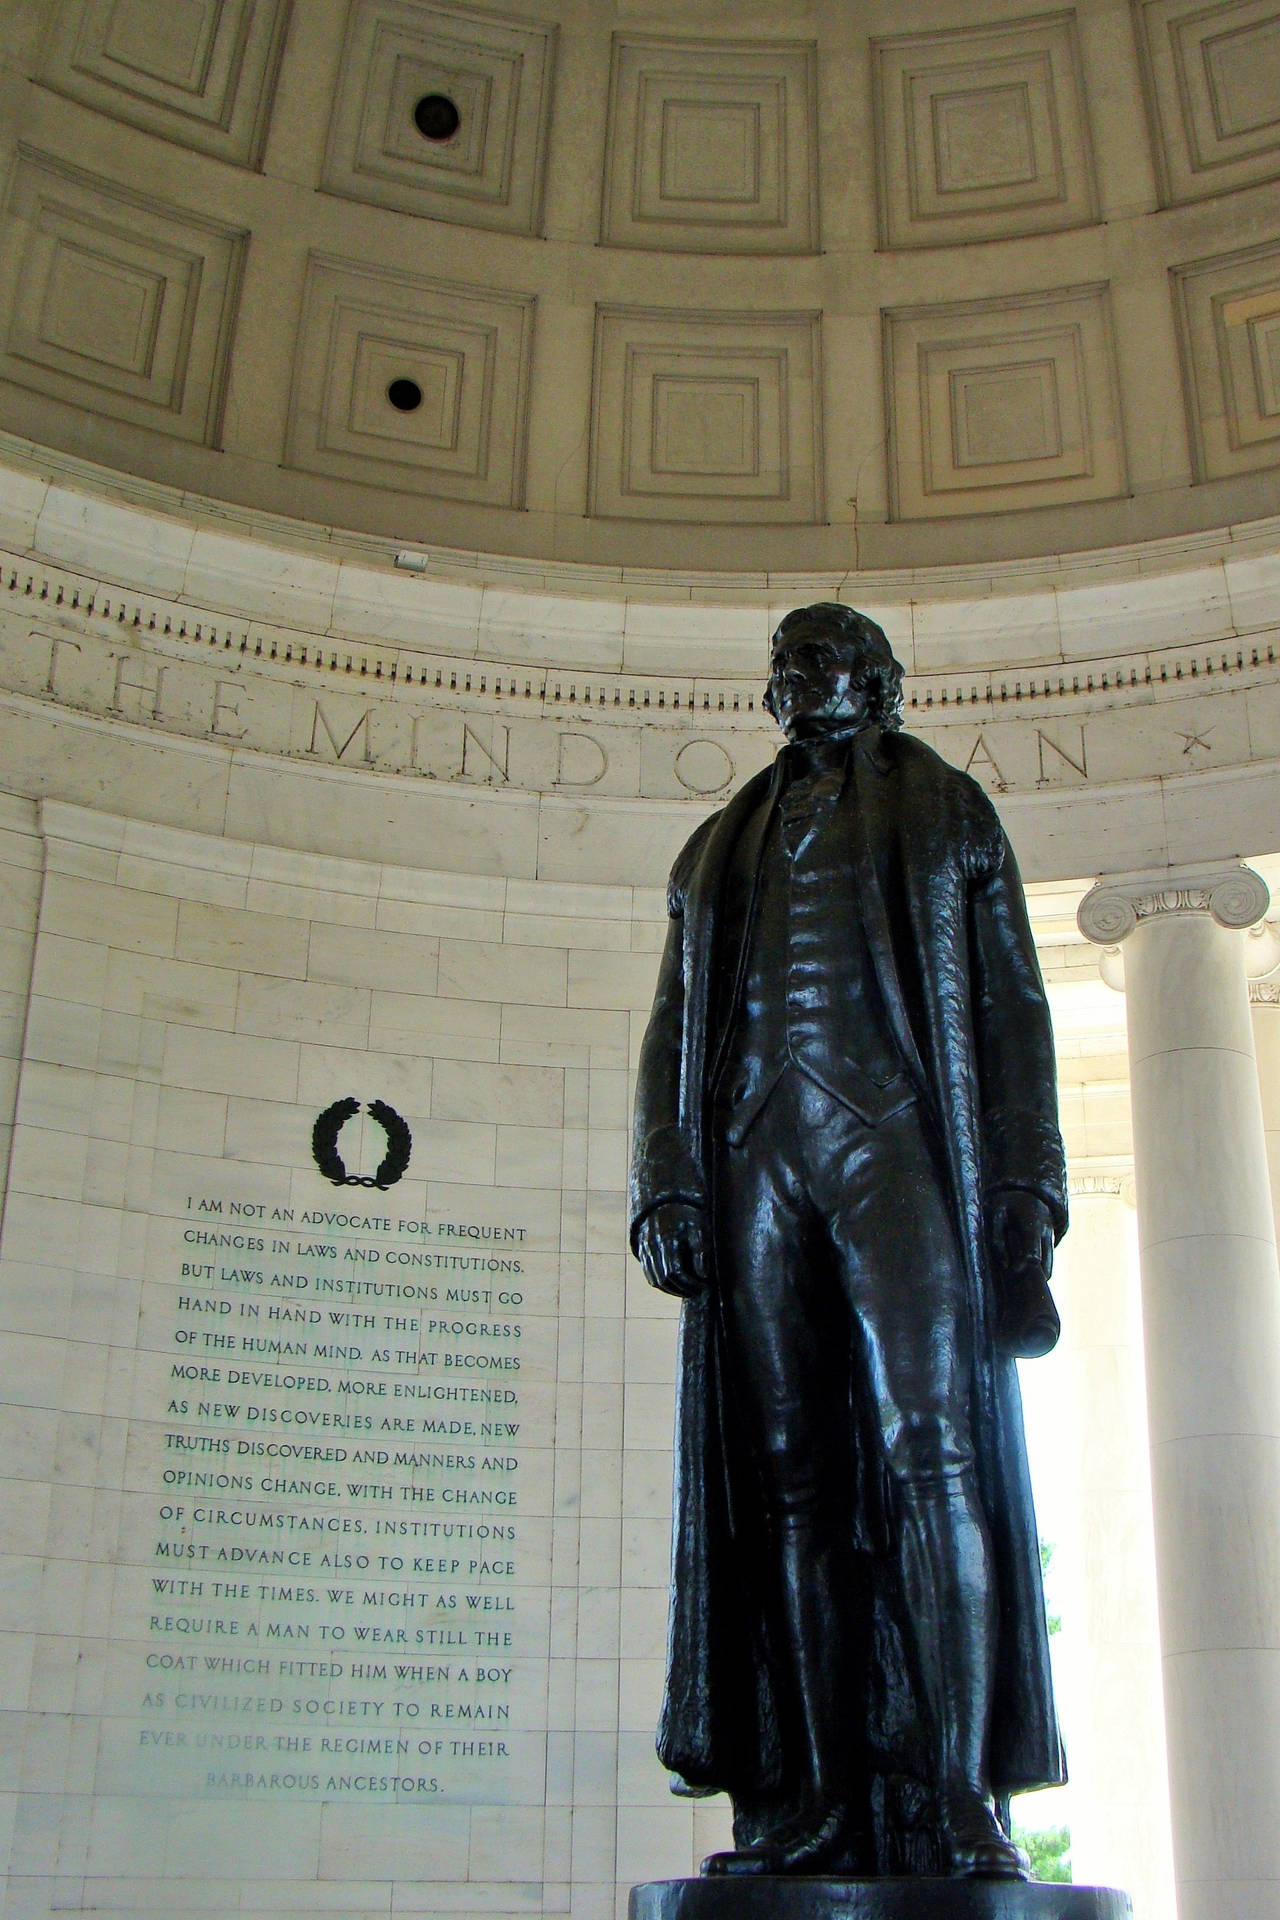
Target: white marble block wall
(21,862)
(195,1003)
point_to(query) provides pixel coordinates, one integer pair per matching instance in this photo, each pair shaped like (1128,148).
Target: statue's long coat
(945,918)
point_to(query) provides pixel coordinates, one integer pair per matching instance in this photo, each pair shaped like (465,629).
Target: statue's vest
(806,987)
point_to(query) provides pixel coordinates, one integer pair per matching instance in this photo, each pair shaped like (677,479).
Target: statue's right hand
(672,1248)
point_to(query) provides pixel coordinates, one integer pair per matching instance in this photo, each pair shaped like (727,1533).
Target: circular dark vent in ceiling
(436,117)
(404,395)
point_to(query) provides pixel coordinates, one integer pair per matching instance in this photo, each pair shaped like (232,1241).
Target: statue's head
(833,672)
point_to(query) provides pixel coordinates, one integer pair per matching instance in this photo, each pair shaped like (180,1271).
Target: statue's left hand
(1020,1236)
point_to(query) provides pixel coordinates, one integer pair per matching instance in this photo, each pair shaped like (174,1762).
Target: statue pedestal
(801,1898)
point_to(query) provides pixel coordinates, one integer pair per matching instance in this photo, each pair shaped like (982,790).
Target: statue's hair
(854,633)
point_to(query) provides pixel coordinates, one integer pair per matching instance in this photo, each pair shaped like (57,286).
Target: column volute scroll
(1235,896)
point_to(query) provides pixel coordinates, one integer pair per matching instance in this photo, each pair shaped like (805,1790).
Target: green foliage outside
(1047,1848)
(1047,1551)
(1049,1851)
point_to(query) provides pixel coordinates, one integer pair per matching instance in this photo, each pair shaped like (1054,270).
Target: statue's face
(813,683)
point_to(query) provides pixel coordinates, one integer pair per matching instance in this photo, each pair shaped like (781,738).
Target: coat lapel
(746,845)
(871,774)
(701,907)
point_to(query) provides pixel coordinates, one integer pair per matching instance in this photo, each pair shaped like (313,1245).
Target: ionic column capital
(1233,895)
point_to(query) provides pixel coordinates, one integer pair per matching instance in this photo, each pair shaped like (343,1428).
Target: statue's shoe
(797,1847)
(977,1846)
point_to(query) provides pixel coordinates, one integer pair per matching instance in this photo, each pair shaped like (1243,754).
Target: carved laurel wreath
(324,1144)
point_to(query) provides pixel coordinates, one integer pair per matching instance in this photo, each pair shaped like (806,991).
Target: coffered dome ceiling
(804,285)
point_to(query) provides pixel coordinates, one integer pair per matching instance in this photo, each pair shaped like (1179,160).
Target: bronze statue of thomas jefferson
(847,1163)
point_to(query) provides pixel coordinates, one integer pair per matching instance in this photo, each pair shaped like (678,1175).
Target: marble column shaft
(1211,1319)
(1114,1715)
(1264,998)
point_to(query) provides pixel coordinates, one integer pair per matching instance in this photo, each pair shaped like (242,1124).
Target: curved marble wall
(572,725)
